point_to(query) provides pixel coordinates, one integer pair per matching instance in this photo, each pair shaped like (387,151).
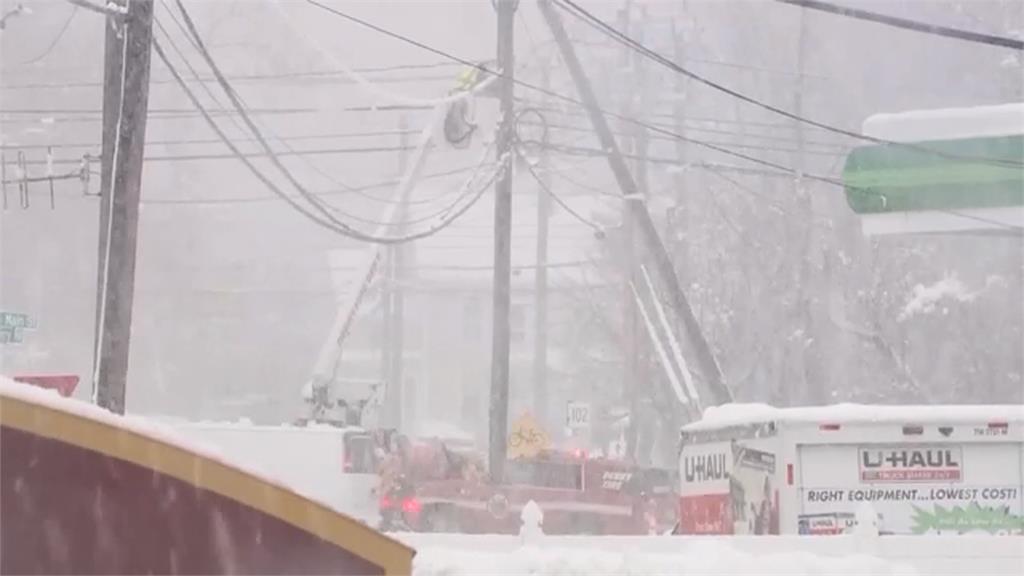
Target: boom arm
(330,352)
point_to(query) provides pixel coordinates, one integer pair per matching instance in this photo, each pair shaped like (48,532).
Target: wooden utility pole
(113,52)
(540,320)
(715,391)
(500,338)
(127,83)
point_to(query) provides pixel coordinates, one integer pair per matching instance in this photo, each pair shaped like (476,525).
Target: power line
(635,121)
(325,223)
(261,199)
(577,12)
(55,41)
(551,93)
(333,75)
(201,141)
(907,24)
(258,154)
(547,190)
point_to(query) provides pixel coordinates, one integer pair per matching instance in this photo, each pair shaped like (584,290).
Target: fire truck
(444,489)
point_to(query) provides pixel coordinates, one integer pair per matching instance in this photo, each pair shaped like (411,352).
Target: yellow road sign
(527,438)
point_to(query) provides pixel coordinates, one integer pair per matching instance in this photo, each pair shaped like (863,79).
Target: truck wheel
(443,519)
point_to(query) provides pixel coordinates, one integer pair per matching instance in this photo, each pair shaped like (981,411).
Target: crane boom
(330,353)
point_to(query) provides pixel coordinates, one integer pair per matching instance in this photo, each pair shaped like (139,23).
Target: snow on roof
(947,123)
(173,422)
(134,424)
(727,415)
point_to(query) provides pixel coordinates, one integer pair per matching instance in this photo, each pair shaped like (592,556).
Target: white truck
(334,465)
(755,469)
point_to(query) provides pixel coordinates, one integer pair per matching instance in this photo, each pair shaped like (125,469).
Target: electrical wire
(908,24)
(213,97)
(368,85)
(548,92)
(577,12)
(623,117)
(326,209)
(289,199)
(55,41)
(259,199)
(316,202)
(598,229)
(200,141)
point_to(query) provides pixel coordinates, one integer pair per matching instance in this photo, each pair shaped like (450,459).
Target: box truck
(755,469)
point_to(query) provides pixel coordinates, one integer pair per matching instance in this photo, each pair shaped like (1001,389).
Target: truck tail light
(386,503)
(998,425)
(789,474)
(828,427)
(913,430)
(411,506)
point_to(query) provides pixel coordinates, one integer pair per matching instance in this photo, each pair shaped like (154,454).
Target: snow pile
(693,558)
(726,415)
(925,298)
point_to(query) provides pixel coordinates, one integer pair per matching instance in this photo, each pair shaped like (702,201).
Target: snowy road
(454,555)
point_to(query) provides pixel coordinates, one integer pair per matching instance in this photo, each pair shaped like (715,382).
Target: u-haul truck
(754,469)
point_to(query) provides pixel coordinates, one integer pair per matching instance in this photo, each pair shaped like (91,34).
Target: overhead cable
(289,199)
(580,13)
(907,24)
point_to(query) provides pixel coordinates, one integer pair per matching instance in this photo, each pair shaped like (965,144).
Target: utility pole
(127,83)
(540,339)
(395,328)
(500,338)
(112,65)
(715,391)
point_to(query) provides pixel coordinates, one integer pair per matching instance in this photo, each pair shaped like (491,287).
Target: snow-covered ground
(457,555)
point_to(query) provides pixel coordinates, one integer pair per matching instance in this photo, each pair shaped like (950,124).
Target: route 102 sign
(577,415)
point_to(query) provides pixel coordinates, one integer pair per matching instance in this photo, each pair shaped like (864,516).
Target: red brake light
(829,427)
(385,503)
(411,506)
(579,454)
(999,425)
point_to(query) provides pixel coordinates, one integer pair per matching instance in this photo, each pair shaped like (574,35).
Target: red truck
(440,489)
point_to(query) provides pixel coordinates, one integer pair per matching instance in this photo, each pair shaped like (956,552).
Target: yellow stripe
(394,557)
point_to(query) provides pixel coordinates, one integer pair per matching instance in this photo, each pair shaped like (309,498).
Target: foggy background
(235,293)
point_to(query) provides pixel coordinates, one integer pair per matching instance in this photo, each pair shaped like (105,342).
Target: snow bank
(741,414)
(458,554)
(693,558)
(947,124)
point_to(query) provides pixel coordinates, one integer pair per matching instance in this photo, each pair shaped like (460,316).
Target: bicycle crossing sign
(527,438)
